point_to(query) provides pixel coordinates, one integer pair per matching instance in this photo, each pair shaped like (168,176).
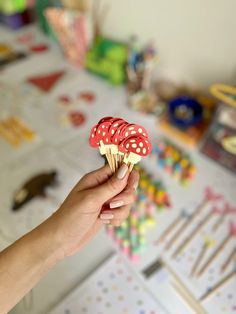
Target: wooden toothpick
(229,260)
(218,286)
(232,232)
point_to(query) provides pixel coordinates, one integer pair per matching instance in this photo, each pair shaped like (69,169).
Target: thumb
(113,186)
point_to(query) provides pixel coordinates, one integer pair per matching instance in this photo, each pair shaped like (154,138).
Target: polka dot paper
(113,288)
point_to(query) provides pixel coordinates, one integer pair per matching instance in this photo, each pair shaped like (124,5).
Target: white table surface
(40,112)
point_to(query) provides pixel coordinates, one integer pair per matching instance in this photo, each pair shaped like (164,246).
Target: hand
(99,198)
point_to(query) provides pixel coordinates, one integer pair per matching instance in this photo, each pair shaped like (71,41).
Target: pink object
(135,258)
(232,228)
(210,195)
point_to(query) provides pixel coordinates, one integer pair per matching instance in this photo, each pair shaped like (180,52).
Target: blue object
(185,112)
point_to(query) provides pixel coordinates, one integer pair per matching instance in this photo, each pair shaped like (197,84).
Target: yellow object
(209,242)
(224,93)
(229,144)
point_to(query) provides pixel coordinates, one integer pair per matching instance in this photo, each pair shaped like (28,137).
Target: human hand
(99,198)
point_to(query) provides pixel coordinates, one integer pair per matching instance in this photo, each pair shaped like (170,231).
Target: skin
(79,218)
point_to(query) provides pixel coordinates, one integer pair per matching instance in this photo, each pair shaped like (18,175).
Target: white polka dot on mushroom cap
(103,126)
(140,130)
(144,150)
(138,150)
(107,140)
(133,132)
(104,133)
(141,144)
(134,145)
(127,146)
(126,134)
(131,127)
(132,141)
(93,135)
(112,131)
(99,131)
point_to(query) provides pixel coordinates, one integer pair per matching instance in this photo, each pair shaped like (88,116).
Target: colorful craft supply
(224,93)
(223,213)
(45,82)
(219,250)
(175,161)
(154,189)
(71,28)
(130,237)
(15,131)
(120,141)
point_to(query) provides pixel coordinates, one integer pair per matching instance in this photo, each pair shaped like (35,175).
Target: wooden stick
(176,235)
(218,286)
(192,303)
(168,230)
(228,261)
(214,255)
(184,289)
(218,223)
(190,237)
(198,210)
(199,259)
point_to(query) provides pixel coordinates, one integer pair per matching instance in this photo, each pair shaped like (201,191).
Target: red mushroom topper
(135,147)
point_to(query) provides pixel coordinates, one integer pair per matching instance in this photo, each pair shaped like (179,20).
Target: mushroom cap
(93,141)
(138,145)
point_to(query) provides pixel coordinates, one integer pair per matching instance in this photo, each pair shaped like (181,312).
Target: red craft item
(77,118)
(87,96)
(138,145)
(134,129)
(46,82)
(39,48)
(102,132)
(93,141)
(115,123)
(64,99)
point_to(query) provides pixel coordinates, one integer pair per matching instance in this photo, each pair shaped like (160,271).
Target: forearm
(25,262)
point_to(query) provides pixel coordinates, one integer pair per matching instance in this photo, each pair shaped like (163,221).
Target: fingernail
(136,185)
(116,204)
(106,222)
(122,172)
(106,216)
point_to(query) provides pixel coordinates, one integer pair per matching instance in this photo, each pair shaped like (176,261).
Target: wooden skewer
(176,235)
(218,223)
(207,244)
(199,259)
(188,298)
(190,237)
(228,261)
(215,255)
(198,210)
(218,286)
(168,230)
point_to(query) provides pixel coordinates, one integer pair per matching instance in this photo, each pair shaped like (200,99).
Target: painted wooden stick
(218,286)
(170,228)
(207,244)
(209,197)
(229,260)
(214,255)
(232,233)
(190,237)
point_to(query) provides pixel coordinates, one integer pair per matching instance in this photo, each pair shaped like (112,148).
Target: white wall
(196,38)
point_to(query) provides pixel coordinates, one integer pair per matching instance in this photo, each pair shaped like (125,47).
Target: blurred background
(168,66)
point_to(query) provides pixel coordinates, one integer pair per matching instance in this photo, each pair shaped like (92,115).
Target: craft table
(67,149)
